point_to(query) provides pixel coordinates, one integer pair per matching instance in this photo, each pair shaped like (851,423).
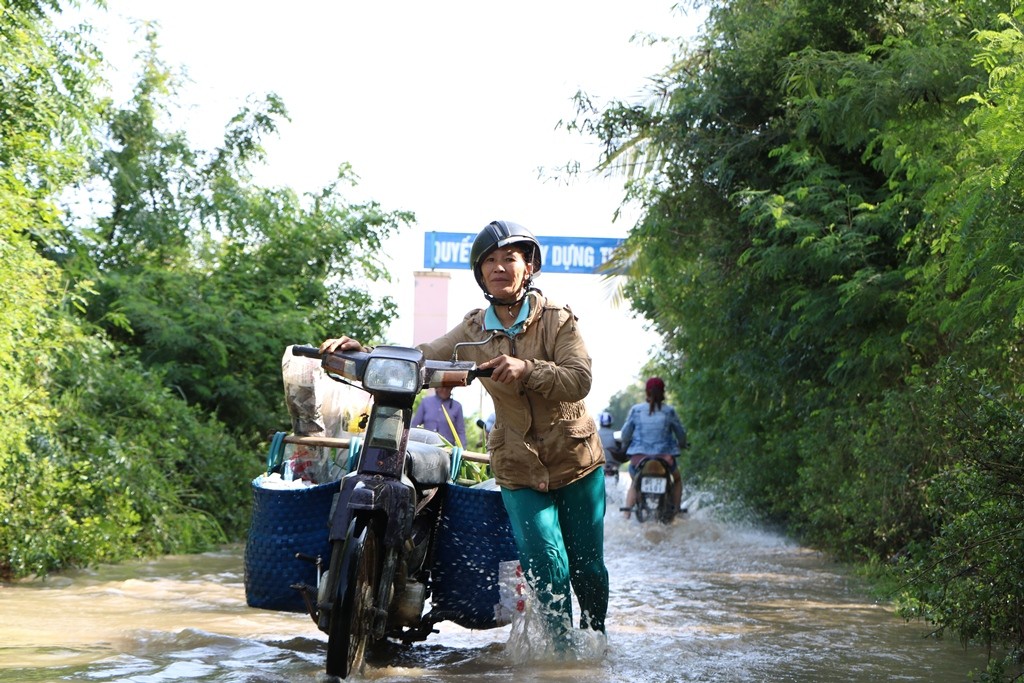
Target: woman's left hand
(507,369)
(342,343)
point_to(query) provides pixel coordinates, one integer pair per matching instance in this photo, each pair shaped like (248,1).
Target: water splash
(530,640)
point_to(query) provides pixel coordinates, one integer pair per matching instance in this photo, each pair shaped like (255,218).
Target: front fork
(327,582)
(385,592)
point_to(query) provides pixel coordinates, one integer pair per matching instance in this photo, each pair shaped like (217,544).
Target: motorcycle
(653,485)
(384,522)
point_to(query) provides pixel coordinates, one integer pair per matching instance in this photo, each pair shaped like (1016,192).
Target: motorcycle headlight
(392,375)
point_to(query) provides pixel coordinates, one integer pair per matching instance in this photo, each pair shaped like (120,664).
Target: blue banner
(450,250)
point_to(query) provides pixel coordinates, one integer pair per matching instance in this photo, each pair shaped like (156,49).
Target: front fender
(380,496)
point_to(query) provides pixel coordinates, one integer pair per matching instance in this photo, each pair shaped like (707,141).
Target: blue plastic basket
(286,522)
(474,536)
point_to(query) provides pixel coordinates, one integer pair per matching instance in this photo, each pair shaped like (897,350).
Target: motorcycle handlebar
(314,352)
(305,350)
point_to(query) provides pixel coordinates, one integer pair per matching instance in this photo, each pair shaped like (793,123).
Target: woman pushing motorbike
(545,452)
(653,429)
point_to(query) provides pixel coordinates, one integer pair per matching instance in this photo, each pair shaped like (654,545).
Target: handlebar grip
(305,350)
(482,373)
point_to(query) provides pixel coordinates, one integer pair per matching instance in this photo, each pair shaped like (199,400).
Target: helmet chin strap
(527,288)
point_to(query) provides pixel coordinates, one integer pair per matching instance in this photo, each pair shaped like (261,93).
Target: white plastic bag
(301,376)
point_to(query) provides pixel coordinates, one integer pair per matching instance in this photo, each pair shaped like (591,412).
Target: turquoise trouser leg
(560,538)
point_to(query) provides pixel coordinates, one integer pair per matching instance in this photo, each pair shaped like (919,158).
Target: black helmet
(498,234)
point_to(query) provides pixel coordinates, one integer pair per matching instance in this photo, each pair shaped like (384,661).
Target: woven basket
(286,522)
(474,536)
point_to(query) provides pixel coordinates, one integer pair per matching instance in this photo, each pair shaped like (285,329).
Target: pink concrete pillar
(430,303)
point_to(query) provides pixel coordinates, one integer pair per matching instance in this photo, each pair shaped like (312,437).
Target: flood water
(702,600)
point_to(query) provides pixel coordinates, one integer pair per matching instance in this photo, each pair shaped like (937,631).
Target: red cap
(655,384)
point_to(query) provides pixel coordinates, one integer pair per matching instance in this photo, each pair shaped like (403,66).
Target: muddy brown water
(702,600)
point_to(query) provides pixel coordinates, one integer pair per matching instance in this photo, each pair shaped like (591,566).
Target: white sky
(447,109)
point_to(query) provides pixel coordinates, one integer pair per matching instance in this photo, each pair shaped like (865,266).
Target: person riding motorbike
(613,454)
(653,429)
(545,452)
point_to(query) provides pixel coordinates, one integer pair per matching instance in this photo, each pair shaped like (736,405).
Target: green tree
(965,577)
(622,400)
(142,341)
(46,81)
(211,276)
(830,205)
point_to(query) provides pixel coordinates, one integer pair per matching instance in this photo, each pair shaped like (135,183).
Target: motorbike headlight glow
(392,374)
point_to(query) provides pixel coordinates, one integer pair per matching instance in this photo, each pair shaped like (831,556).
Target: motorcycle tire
(654,502)
(351,619)
(665,512)
(646,506)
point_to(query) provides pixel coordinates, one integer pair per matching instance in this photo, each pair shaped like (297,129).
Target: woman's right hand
(506,369)
(342,343)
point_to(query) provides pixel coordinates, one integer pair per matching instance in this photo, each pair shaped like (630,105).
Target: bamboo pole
(344,442)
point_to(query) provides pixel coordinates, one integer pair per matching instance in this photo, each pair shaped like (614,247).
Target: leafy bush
(863,485)
(126,469)
(969,577)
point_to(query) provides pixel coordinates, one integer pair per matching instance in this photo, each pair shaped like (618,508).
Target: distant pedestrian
(434,413)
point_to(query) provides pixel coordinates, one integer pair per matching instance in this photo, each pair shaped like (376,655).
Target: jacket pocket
(580,428)
(580,436)
(496,439)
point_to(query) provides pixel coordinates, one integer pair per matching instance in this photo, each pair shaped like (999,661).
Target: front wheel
(351,619)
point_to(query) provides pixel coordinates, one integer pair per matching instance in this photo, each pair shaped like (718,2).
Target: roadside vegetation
(147,291)
(830,244)
(832,201)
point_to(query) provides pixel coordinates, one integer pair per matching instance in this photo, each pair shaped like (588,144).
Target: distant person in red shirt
(430,415)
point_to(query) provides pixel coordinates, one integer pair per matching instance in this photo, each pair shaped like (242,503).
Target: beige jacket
(543,436)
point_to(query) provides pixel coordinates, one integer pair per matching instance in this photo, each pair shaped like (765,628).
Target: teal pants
(560,538)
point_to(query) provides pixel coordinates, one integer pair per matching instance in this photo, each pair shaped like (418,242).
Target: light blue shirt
(660,433)
(491,321)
